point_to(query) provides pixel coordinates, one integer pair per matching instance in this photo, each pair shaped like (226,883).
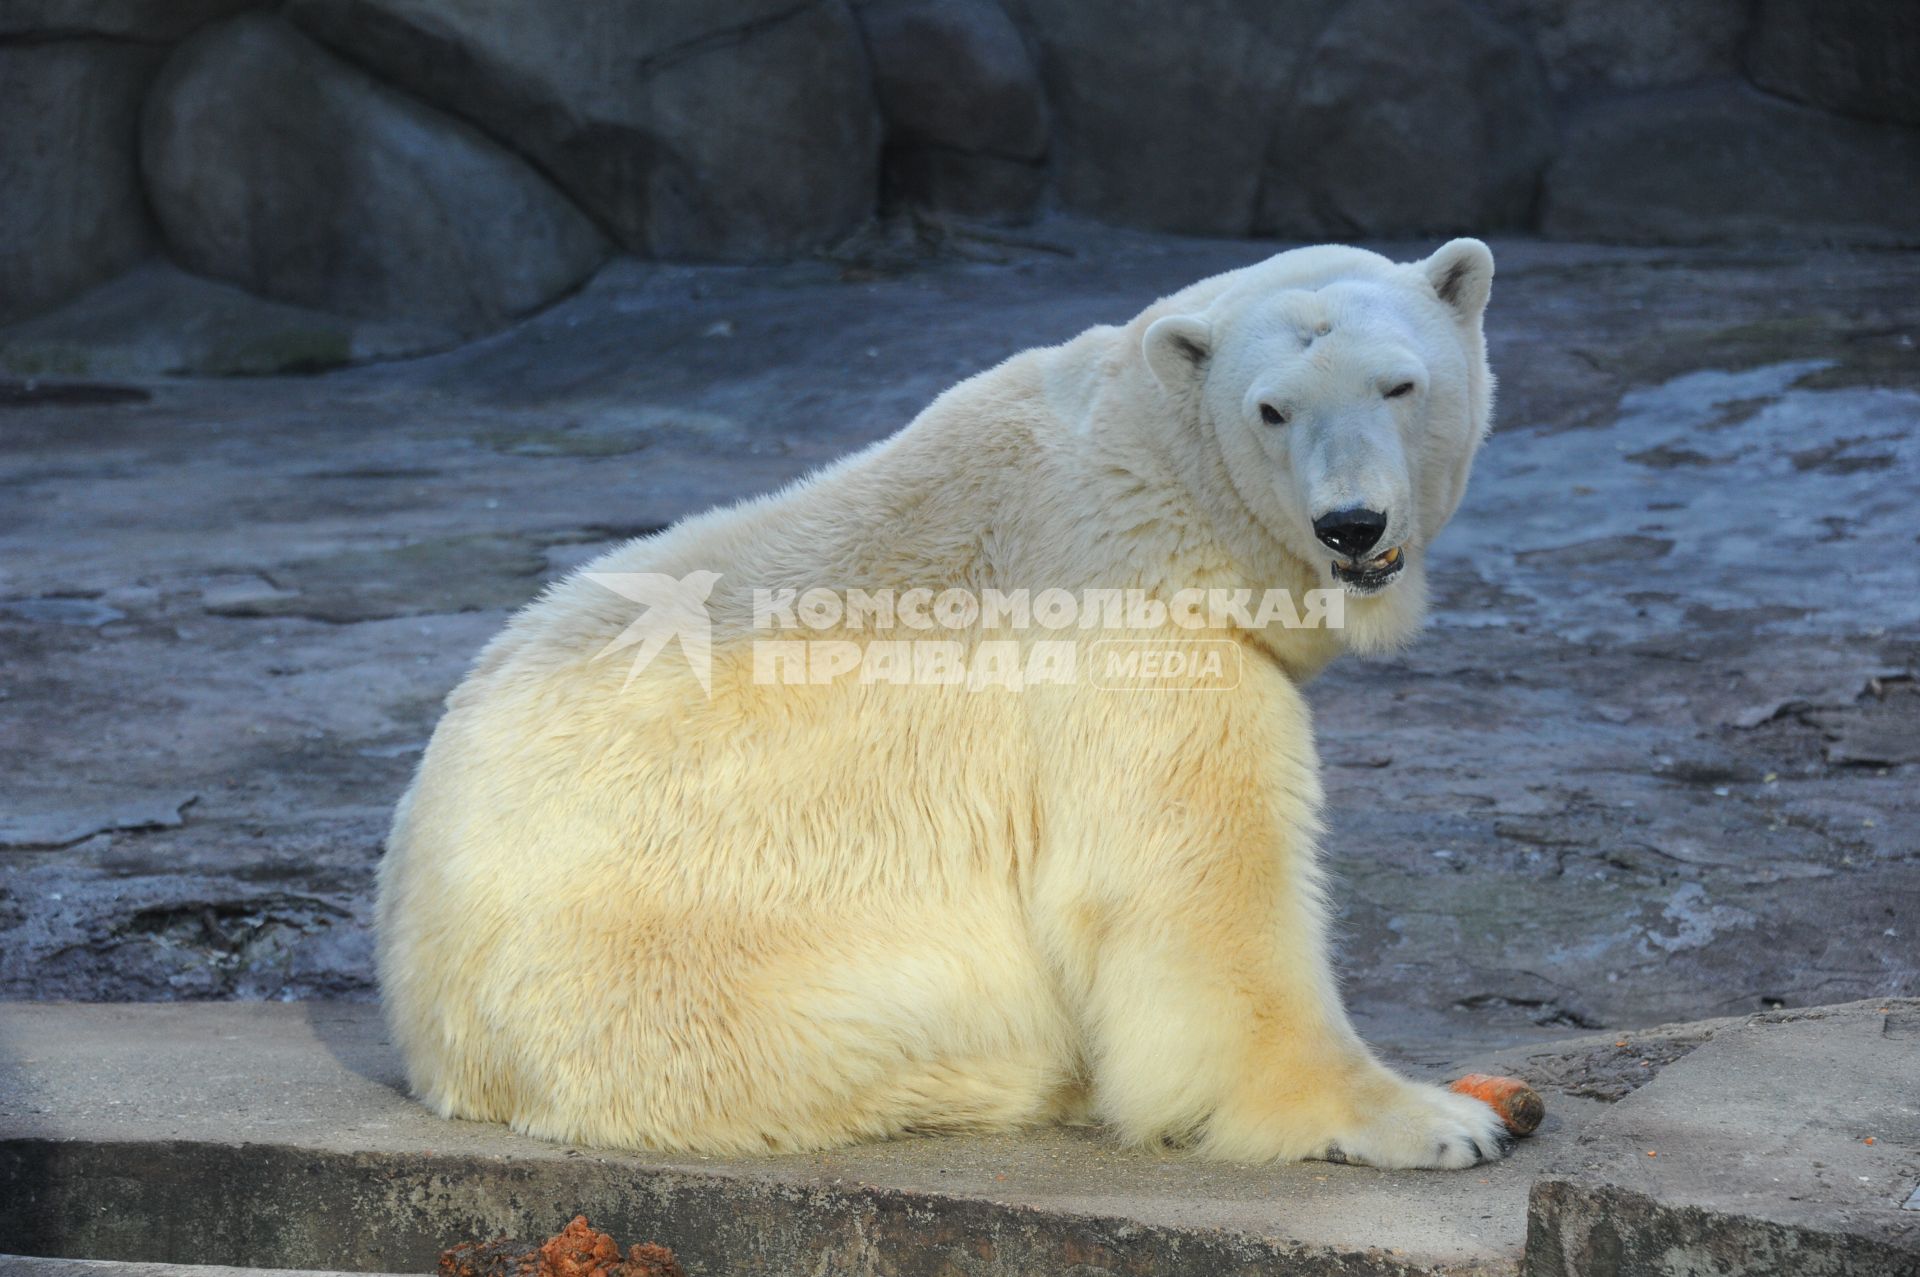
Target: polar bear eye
(1404,388)
(1272,416)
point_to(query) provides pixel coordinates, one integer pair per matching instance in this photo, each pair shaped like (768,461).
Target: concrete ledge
(1790,1144)
(267,1135)
(277,1135)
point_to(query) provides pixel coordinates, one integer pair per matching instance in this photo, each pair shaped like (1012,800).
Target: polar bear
(692,901)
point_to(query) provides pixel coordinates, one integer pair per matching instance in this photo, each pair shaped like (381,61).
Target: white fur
(795,917)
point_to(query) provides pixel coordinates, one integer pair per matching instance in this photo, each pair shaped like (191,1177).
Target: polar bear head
(1332,401)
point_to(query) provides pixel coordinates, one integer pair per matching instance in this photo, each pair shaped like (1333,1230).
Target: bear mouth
(1370,575)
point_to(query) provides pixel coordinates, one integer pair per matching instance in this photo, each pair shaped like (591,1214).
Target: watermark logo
(1117,640)
(676,608)
(1021,610)
(1165,665)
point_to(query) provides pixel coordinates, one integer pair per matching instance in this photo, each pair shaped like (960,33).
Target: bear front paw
(1427,1128)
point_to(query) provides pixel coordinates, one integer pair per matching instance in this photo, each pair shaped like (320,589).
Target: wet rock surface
(1654,759)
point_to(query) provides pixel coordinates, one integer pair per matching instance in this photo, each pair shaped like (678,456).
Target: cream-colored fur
(791,917)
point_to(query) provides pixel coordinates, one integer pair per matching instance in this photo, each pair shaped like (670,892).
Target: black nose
(1351,532)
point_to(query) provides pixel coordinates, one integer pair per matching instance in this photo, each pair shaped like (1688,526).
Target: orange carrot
(1518,1104)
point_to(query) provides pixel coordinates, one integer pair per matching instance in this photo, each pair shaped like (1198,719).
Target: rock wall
(274,165)
(468,162)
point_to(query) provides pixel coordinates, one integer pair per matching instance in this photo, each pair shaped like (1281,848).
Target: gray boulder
(732,129)
(1857,56)
(1725,162)
(987,187)
(955,73)
(1630,44)
(71,212)
(157,320)
(158,20)
(966,119)
(1162,112)
(1410,116)
(274,165)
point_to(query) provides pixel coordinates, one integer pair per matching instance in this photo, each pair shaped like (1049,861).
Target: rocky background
(455,165)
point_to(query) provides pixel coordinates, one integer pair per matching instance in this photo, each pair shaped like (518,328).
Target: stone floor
(1655,758)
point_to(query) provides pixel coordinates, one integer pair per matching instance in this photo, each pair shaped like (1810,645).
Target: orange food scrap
(578,1251)
(1518,1104)
(575,1251)
(1868,1140)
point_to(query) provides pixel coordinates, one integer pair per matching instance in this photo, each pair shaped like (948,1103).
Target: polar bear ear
(1462,276)
(1177,348)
